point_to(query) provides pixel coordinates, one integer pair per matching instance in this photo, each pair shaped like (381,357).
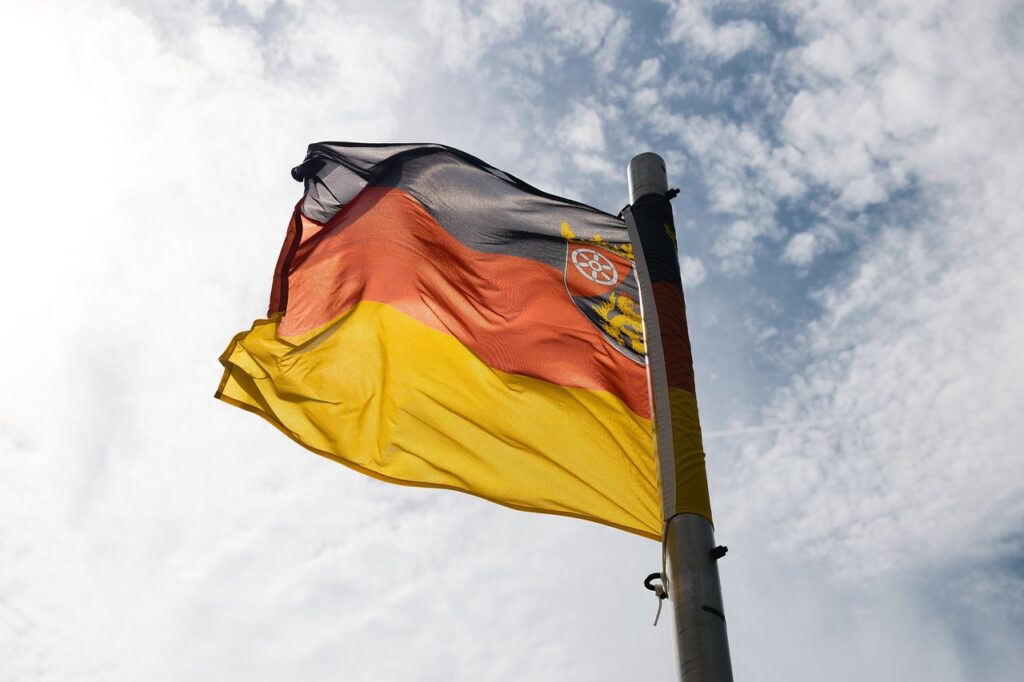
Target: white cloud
(582,129)
(737,245)
(257,9)
(910,453)
(690,23)
(915,360)
(801,249)
(648,70)
(692,271)
(466,35)
(467,32)
(149,532)
(589,26)
(598,165)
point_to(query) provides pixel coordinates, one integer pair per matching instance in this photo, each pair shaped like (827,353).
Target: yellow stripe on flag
(389,396)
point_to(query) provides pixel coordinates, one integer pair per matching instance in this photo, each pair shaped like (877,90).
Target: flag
(437,322)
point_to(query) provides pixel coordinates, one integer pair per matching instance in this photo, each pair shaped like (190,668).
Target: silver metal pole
(702,643)
(646,174)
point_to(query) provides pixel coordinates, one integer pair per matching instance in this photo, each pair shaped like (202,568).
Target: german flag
(437,322)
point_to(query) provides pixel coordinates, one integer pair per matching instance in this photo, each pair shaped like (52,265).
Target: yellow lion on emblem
(622,321)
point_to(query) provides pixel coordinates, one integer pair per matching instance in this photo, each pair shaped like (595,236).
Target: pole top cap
(646,175)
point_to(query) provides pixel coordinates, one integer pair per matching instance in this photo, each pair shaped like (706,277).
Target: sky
(850,239)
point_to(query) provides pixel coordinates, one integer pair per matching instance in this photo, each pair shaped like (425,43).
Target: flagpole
(691,569)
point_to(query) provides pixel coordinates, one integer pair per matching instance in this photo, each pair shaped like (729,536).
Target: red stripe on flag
(512,312)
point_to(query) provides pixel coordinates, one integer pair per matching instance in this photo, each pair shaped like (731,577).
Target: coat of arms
(601,280)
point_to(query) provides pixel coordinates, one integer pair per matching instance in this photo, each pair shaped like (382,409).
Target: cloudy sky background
(851,205)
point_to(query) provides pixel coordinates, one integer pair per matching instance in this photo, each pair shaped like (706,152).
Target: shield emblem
(602,283)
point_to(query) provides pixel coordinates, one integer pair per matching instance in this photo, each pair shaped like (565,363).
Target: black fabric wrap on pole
(653,216)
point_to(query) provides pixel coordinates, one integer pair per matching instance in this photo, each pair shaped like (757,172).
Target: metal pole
(702,643)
